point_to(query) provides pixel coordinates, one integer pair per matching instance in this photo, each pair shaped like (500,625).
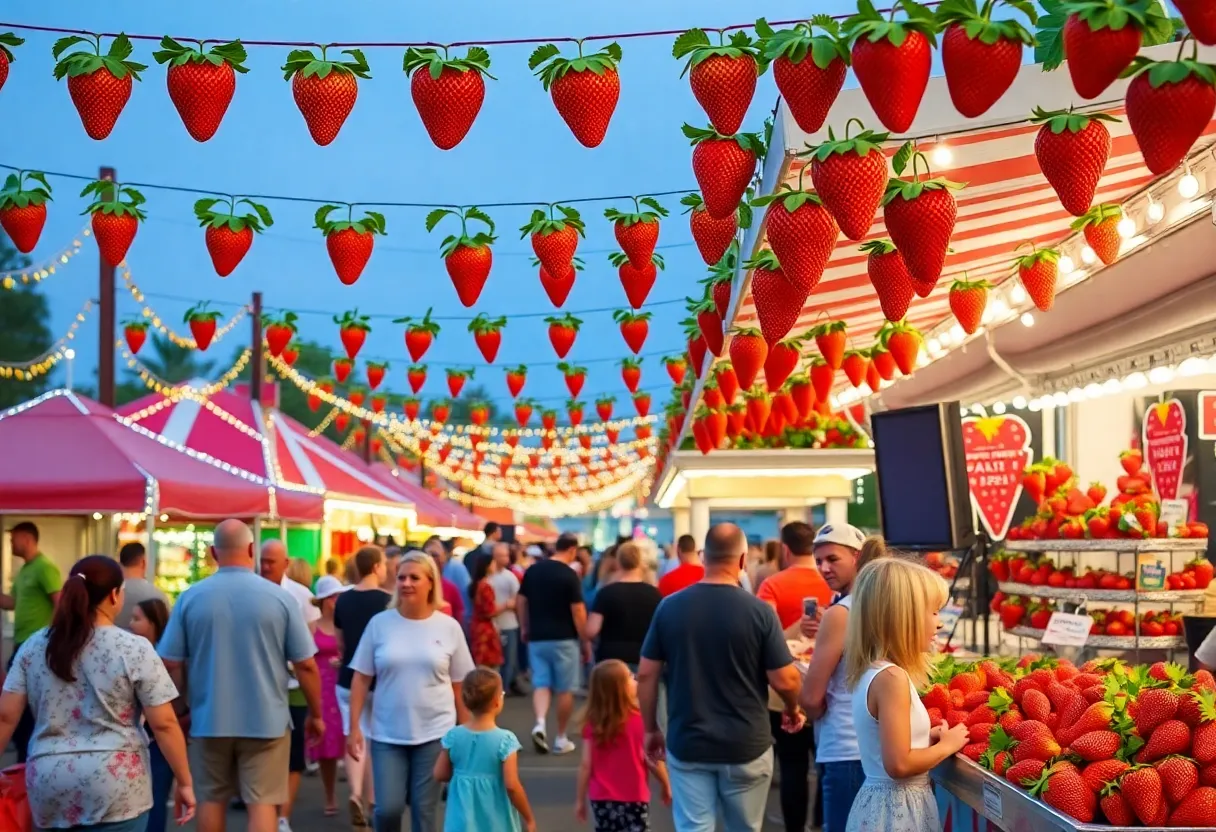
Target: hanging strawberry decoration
(903,342)
(802,233)
(708,323)
(411,406)
(440,410)
(558,288)
(114,221)
(1099,39)
(1038,272)
(523,411)
(479,413)
(714,236)
(968,299)
(201,82)
(23,210)
(723,166)
(325,90)
(202,322)
(467,258)
(758,407)
(574,409)
(279,331)
(290,353)
(981,56)
(603,409)
(1198,15)
(342,369)
(487,332)
(548,420)
(1100,225)
(516,377)
(822,378)
(375,373)
(723,77)
(8,41)
(636,282)
(676,368)
(448,92)
(415,374)
(349,242)
(456,380)
(353,329)
(727,381)
(100,85)
(850,177)
(229,234)
(889,276)
(641,403)
(135,333)
(584,90)
(314,398)
(809,69)
(637,232)
(575,377)
(802,394)
(748,352)
(920,216)
(341,421)
(562,332)
(696,345)
(831,340)
(1169,105)
(781,362)
(855,365)
(1072,150)
(356,396)
(555,238)
(720,283)
(419,334)
(892,59)
(778,301)
(634,326)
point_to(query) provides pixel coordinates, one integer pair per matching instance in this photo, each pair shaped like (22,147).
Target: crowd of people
(397,664)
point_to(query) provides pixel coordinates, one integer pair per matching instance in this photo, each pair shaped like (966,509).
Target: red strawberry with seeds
(1114,807)
(889,276)
(714,236)
(637,232)
(229,234)
(1100,225)
(114,221)
(850,176)
(823,377)
(636,282)
(1170,737)
(135,333)
(782,360)
(728,381)
(1179,777)
(456,379)
(419,335)
(1141,788)
(1064,789)
(641,403)
(903,343)
(349,241)
(723,167)
(584,90)
(1155,706)
(720,284)
(1024,773)
(968,299)
(516,376)
(709,323)
(23,210)
(723,77)
(634,326)
(575,377)
(631,373)
(466,257)
(883,362)
(554,238)
(1169,105)
(1100,39)
(1072,150)
(353,329)
(1038,272)
(696,347)
(802,233)
(325,90)
(202,322)
(574,409)
(201,82)
(748,352)
(1096,775)
(603,409)
(487,332)
(920,216)
(100,85)
(809,69)
(676,367)
(562,332)
(558,289)
(892,60)
(1097,745)
(1196,809)
(831,340)
(1199,16)
(448,92)
(855,365)
(7,40)
(415,374)
(279,332)
(778,302)
(523,412)
(981,56)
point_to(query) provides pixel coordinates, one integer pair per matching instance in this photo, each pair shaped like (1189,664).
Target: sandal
(358,817)
(331,810)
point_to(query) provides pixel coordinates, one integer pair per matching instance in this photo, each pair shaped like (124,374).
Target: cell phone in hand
(810,607)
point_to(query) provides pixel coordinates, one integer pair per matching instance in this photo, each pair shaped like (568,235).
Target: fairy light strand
(43,364)
(29,275)
(158,323)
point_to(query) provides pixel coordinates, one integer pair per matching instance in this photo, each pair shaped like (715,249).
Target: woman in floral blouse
(87,683)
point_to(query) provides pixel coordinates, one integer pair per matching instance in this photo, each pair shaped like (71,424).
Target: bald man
(228,646)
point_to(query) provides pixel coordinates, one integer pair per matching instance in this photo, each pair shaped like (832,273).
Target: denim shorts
(554,665)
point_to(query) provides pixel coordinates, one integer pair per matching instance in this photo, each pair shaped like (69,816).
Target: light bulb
(1027,319)
(1126,228)
(1076,394)
(1112,385)
(934,346)
(1093,390)
(1135,381)
(1161,375)
(1019,402)
(1060,399)
(1188,185)
(998,408)
(1087,255)
(942,155)
(1066,264)
(956,333)
(69,353)
(1017,295)
(1193,366)
(1156,211)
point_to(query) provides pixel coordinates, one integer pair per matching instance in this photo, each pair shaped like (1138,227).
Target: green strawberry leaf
(309,65)
(8,41)
(1060,120)
(476,59)
(175,54)
(862,144)
(13,195)
(549,66)
(899,162)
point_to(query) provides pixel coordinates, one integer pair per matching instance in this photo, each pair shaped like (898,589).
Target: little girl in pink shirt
(613,775)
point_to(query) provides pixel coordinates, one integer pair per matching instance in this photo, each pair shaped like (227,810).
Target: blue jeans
(839,783)
(138,824)
(703,791)
(510,656)
(404,774)
(555,665)
(162,782)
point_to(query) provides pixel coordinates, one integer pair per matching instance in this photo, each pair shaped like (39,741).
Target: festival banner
(1165,443)
(998,450)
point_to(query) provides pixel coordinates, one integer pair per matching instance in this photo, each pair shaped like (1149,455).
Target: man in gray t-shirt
(136,586)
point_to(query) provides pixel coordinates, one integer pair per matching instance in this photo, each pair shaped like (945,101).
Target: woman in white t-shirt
(418,658)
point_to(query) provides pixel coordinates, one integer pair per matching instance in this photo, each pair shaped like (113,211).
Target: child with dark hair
(480,761)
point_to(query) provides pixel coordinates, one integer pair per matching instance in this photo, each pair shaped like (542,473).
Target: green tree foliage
(24,329)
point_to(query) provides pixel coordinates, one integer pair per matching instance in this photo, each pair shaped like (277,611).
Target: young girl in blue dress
(480,763)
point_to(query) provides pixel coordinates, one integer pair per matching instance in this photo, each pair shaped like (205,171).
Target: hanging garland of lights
(155,320)
(185,391)
(168,389)
(325,423)
(28,275)
(43,364)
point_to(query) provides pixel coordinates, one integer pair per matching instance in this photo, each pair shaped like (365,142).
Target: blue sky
(518,150)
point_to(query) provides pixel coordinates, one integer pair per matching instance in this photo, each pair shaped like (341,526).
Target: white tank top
(867,726)
(835,739)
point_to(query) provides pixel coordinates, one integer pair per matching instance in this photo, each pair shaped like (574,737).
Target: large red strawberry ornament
(635,326)
(487,333)
(8,42)
(467,257)
(1169,105)
(1100,38)
(850,176)
(135,333)
(809,68)
(709,323)
(201,82)
(23,209)
(981,56)
(352,330)
(100,85)
(558,287)
(415,374)
(903,343)
(1198,15)
(723,77)
(968,300)
(349,241)
(1100,225)
(325,90)
(748,352)
(631,373)
(448,92)
(920,215)
(714,236)
(574,376)
(831,338)
(114,220)
(778,302)
(1072,150)
(584,89)
(723,166)
(419,334)
(889,276)
(892,59)
(278,332)
(1038,272)
(342,369)
(555,236)
(720,284)
(456,378)
(229,232)
(802,233)
(562,332)
(676,367)
(516,378)
(782,360)
(637,282)
(375,371)
(202,322)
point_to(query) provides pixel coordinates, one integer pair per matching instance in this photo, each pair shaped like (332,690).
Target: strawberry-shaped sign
(603,408)
(1165,444)
(1100,225)
(641,403)
(290,353)
(135,333)
(448,92)
(631,373)
(889,276)
(637,282)
(467,257)
(558,288)
(635,326)
(574,376)
(456,380)
(1169,106)
(723,166)
(23,209)
(349,241)
(584,90)
(981,56)
(516,377)
(676,367)
(997,449)
(202,323)
(353,329)
(968,300)
(562,332)
(1038,272)
(279,331)
(325,90)
(778,301)
(892,59)
(375,373)
(850,177)
(229,233)
(114,220)
(415,374)
(637,231)
(201,82)
(342,369)
(723,77)
(8,42)
(714,236)
(487,332)
(555,237)
(920,216)
(809,68)
(100,85)
(419,334)
(1072,150)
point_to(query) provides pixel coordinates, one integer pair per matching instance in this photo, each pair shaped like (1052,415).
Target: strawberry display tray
(1129,596)
(1115,642)
(1152,544)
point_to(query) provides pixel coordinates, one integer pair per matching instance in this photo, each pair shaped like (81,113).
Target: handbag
(15,812)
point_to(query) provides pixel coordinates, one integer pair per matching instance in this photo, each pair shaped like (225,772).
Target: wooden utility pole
(258,359)
(367,441)
(106,392)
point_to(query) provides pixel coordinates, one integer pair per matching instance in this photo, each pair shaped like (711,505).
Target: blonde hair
(435,596)
(873,548)
(887,620)
(629,556)
(299,571)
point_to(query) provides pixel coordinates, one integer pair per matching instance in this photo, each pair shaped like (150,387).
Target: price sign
(1067,629)
(994,807)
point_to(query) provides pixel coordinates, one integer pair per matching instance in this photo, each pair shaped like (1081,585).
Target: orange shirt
(786,589)
(685,574)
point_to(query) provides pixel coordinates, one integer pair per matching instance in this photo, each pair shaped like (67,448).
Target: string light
(1188,185)
(43,364)
(169,389)
(36,274)
(326,422)
(158,324)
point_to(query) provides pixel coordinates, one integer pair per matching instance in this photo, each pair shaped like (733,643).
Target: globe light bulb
(1188,185)
(1027,319)
(1156,211)
(1087,255)
(943,156)
(1067,265)
(1126,228)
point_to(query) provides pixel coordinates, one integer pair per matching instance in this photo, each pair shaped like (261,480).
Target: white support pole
(793,515)
(699,519)
(836,512)
(680,524)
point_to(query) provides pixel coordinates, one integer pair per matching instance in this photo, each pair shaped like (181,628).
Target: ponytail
(91,581)
(872,549)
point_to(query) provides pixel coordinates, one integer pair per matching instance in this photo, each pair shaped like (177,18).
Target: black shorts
(299,715)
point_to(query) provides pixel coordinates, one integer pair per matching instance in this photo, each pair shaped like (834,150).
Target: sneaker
(284,826)
(562,745)
(539,740)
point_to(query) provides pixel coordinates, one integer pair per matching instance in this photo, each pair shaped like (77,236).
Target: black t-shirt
(551,587)
(717,643)
(352,611)
(627,609)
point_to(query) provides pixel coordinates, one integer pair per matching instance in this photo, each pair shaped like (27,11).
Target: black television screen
(922,478)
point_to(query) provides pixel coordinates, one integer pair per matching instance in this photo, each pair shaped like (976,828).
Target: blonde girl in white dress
(892,625)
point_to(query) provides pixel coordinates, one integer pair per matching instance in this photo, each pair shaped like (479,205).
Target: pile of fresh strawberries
(945,566)
(1039,570)
(1197,574)
(1135,746)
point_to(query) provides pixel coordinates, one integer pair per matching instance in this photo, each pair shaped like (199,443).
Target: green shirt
(32,588)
